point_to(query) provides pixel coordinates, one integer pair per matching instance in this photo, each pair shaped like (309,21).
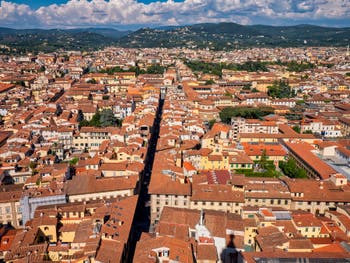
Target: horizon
(133,15)
(162,26)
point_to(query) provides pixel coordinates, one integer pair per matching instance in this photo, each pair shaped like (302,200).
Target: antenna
(201,222)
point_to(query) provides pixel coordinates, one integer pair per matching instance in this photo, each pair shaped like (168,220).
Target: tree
(107,118)
(245,112)
(32,165)
(209,82)
(296,128)
(211,123)
(263,160)
(155,69)
(228,94)
(247,87)
(104,118)
(280,89)
(74,161)
(92,81)
(95,120)
(299,67)
(290,169)
(308,132)
(84,123)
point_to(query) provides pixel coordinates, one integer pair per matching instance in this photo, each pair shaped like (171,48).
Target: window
(193,234)
(7,209)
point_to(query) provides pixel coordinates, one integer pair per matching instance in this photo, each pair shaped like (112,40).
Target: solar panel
(282,216)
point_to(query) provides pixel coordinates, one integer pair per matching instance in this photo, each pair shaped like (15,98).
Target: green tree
(104,118)
(247,86)
(74,161)
(92,81)
(263,160)
(296,128)
(107,118)
(308,132)
(211,123)
(95,120)
(228,94)
(209,82)
(33,165)
(294,66)
(245,112)
(290,169)
(155,69)
(84,123)
(280,89)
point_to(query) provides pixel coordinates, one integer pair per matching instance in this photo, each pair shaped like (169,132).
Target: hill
(219,36)
(35,40)
(231,35)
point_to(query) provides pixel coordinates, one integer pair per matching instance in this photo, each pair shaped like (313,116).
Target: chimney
(201,220)
(321,185)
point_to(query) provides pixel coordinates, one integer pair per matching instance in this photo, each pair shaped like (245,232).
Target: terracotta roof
(110,251)
(216,193)
(303,151)
(89,184)
(179,250)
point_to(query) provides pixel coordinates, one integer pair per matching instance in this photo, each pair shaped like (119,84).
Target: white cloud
(77,13)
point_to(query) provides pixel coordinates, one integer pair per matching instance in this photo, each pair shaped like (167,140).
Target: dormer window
(162,252)
(165,253)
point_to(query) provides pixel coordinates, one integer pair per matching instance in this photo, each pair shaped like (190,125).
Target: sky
(133,14)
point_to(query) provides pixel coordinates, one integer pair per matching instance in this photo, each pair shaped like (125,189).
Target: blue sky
(38,3)
(132,14)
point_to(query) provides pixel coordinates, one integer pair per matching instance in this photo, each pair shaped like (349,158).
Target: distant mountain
(229,35)
(214,36)
(106,32)
(35,40)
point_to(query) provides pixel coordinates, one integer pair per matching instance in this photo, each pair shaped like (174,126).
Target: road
(141,221)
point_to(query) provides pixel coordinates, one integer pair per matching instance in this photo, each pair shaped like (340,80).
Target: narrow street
(142,215)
